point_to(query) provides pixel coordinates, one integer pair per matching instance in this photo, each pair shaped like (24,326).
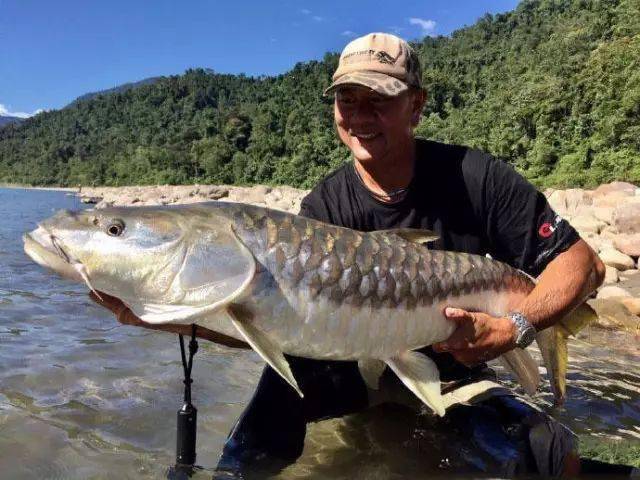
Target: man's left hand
(478,338)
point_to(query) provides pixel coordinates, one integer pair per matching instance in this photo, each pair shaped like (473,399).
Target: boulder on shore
(622,188)
(612,291)
(628,243)
(614,315)
(626,218)
(616,259)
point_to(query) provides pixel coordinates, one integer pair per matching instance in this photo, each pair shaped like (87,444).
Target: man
(477,205)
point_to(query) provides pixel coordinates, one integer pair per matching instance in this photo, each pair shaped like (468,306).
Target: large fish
(287,284)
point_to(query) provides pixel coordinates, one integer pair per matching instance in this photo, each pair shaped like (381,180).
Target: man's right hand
(127,317)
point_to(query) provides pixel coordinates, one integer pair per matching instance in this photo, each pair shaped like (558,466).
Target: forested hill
(119,89)
(553,87)
(5,120)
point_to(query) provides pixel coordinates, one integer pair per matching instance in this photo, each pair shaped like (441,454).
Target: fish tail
(553,347)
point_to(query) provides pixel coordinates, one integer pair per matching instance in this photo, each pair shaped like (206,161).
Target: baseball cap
(381,61)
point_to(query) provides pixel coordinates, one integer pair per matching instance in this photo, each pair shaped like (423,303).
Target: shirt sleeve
(522,228)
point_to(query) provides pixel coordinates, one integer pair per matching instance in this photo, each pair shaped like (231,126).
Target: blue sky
(52,51)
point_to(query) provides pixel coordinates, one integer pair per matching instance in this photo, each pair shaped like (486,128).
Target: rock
(570,202)
(628,243)
(626,218)
(614,200)
(91,200)
(613,314)
(604,214)
(217,192)
(632,304)
(587,224)
(593,241)
(611,275)
(624,188)
(255,195)
(614,258)
(611,291)
(631,273)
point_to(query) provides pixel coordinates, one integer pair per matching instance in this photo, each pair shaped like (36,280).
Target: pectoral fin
(371,370)
(420,374)
(519,363)
(265,347)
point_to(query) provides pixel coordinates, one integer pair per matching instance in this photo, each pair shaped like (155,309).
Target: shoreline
(29,187)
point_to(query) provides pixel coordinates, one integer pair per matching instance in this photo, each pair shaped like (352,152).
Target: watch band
(525,332)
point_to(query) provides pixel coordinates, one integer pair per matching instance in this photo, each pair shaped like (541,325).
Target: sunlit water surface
(82,396)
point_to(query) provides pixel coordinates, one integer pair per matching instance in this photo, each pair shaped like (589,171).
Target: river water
(84,397)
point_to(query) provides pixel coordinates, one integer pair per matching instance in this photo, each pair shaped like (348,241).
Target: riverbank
(29,187)
(608,218)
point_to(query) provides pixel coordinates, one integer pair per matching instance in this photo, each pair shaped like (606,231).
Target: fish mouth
(46,250)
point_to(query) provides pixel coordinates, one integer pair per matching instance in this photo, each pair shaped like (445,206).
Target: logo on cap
(384,57)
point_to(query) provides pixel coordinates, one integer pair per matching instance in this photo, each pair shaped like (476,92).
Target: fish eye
(115,228)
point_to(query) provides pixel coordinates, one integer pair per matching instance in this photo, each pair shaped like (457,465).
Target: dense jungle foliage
(552,87)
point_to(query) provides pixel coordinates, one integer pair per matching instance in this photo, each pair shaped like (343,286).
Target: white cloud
(309,13)
(348,33)
(5,112)
(428,26)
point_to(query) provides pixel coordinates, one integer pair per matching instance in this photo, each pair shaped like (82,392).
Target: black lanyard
(187,416)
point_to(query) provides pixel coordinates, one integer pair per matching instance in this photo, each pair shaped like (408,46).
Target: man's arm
(563,285)
(127,317)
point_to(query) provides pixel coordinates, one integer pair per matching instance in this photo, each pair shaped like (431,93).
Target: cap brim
(378,82)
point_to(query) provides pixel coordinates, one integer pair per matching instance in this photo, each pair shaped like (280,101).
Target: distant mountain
(7,120)
(119,89)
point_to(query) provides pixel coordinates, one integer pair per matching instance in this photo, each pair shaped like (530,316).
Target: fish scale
(340,279)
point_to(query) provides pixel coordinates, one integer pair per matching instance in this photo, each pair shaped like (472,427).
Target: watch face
(527,337)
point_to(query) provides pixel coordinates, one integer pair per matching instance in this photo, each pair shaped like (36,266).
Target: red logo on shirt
(547,229)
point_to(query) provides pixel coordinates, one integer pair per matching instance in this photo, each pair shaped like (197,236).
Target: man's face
(374,126)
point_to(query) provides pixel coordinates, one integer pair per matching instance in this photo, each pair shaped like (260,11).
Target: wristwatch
(525,332)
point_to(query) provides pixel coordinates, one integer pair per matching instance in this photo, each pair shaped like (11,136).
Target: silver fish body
(286,284)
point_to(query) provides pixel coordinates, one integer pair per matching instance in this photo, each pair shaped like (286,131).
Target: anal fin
(265,347)
(420,375)
(371,370)
(519,363)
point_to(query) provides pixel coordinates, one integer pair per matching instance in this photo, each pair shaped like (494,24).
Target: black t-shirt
(474,202)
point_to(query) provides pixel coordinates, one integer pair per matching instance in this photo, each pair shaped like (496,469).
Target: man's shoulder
(331,185)
(449,154)
(453,163)
(325,196)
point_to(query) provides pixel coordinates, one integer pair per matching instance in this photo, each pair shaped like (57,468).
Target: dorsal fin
(414,235)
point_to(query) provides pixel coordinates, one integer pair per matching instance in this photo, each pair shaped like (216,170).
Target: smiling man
(476,204)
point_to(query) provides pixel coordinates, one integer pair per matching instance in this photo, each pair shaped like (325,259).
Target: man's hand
(478,338)
(127,317)
(122,313)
